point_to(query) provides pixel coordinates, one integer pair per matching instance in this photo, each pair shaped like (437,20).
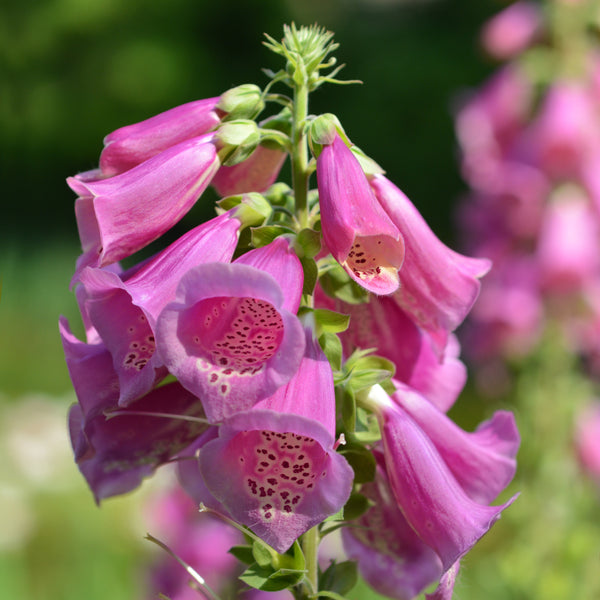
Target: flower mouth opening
(235,335)
(280,469)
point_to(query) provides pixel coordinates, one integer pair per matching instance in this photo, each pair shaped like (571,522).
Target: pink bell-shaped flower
(356,230)
(433,501)
(512,30)
(115,454)
(568,250)
(120,215)
(437,285)
(483,462)
(382,325)
(255,174)
(284,475)
(391,557)
(134,144)
(123,308)
(229,337)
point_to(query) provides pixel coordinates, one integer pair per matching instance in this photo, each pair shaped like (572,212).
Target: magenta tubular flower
(122,214)
(382,325)
(134,144)
(512,30)
(434,503)
(114,455)
(284,475)
(483,462)
(391,558)
(256,174)
(437,285)
(357,232)
(228,337)
(568,250)
(123,309)
(565,130)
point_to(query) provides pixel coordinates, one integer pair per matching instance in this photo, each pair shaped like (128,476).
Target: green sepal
(262,555)
(262,236)
(252,209)
(332,347)
(337,284)
(368,165)
(323,131)
(356,506)
(308,243)
(242,102)
(367,428)
(338,578)
(243,554)
(311,275)
(366,371)
(361,460)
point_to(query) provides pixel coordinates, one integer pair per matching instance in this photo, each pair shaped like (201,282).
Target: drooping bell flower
(356,230)
(228,337)
(391,557)
(489,123)
(434,503)
(437,285)
(134,144)
(115,454)
(283,473)
(382,325)
(568,250)
(255,174)
(120,215)
(512,30)
(565,131)
(483,461)
(123,309)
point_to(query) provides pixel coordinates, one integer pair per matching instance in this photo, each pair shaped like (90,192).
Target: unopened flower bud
(241,102)
(237,141)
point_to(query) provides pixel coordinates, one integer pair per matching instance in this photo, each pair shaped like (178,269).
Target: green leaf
(329,321)
(338,516)
(329,594)
(339,579)
(346,404)
(262,236)
(361,460)
(311,274)
(243,554)
(332,347)
(268,580)
(356,506)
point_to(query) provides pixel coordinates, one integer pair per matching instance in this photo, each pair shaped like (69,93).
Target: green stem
(310,547)
(300,173)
